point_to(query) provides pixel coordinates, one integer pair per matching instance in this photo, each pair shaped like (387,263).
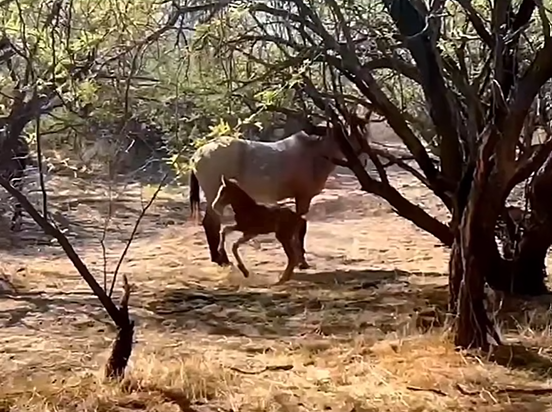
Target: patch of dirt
(364,329)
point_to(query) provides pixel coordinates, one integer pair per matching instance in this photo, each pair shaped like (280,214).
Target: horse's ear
(224,180)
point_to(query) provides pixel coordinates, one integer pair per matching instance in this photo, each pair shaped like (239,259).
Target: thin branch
(477,22)
(134,231)
(49,229)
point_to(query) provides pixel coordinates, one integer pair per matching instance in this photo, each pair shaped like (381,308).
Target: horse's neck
(242,203)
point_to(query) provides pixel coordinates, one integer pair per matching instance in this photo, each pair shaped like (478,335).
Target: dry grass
(363,330)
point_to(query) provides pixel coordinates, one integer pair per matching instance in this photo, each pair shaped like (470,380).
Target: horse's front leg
(235,247)
(211,225)
(302,206)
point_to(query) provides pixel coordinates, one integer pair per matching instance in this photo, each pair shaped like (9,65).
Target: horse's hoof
(222,259)
(304,265)
(222,262)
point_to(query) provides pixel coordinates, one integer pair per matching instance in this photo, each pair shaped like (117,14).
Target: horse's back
(213,160)
(267,171)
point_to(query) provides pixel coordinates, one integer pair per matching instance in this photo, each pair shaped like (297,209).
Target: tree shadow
(83,305)
(366,299)
(518,356)
(357,278)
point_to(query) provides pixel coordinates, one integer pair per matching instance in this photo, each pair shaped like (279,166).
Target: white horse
(296,167)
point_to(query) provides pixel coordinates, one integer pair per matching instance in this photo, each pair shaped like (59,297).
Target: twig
(104,234)
(465,391)
(40,167)
(133,233)
(509,389)
(269,368)
(436,391)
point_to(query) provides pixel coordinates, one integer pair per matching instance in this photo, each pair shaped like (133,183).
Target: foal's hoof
(243,270)
(304,265)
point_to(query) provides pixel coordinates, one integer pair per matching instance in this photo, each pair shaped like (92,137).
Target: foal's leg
(302,206)
(235,247)
(211,225)
(287,240)
(223,233)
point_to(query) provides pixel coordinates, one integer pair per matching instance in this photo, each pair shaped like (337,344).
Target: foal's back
(261,219)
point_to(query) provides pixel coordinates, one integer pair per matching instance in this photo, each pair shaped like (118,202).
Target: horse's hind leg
(302,207)
(235,247)
(211,225)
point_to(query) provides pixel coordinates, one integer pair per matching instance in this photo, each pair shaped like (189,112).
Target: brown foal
(253,219)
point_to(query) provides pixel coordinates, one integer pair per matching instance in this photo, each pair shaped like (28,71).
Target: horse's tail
(194,195)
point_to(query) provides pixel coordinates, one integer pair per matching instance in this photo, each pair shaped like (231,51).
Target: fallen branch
(508,390)
(269,368)
(433,390)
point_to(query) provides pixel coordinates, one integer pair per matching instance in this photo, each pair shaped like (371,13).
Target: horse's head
(228,192)
(328,146)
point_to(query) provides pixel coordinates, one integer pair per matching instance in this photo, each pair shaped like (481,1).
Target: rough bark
(475,258)
(479,262)
(456,272)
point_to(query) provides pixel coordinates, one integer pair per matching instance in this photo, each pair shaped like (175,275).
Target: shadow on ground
(518,356)
(33,310)
(335,303)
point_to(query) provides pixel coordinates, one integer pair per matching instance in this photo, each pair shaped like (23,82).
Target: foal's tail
(194,195)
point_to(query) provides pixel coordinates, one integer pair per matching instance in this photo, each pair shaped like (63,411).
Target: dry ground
(362,330)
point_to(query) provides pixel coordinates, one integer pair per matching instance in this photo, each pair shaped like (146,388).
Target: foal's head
(230,193)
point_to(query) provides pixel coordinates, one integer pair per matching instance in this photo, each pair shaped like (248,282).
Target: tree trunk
(120,352)
(475,259)
(456,273)
(122,346)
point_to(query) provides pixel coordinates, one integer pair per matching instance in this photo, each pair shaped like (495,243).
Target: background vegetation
(131,88)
